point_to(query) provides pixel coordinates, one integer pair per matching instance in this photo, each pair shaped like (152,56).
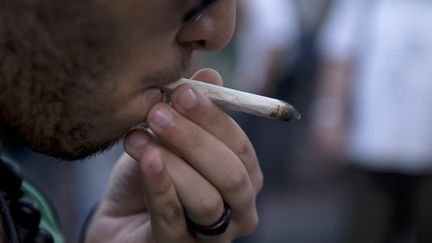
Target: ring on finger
(215,229)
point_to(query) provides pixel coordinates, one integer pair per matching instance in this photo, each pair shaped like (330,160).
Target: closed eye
(192,14)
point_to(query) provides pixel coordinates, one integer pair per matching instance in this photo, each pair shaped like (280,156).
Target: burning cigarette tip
(286,113)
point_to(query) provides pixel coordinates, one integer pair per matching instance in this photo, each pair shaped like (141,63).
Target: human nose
(212,29)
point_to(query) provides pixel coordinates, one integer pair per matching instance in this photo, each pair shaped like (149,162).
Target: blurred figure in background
(275,56)
(268,30)
(268,33)
(373,112)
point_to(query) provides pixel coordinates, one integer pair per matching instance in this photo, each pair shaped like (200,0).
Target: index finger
(199,109)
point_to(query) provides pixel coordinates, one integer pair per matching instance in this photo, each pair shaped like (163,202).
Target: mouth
(162,78)
(169,74)
(161,83)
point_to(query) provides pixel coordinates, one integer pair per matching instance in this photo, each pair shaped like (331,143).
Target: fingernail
(161,117)
(187,99)
(136,139)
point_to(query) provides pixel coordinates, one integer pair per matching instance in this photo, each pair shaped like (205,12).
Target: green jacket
(18,199)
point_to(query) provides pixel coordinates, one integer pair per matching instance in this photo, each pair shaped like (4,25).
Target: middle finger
(201,200)
(205,153)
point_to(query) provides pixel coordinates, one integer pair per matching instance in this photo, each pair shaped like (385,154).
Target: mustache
(182,65)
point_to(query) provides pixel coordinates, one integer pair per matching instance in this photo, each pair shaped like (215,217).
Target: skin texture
(173,177)
(75,79)
(77,75)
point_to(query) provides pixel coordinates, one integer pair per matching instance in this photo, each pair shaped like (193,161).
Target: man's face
(155,47)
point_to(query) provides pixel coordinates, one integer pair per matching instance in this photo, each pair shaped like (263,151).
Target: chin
(78,153)
(67,146)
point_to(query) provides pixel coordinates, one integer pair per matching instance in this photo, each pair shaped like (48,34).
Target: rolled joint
(236,100)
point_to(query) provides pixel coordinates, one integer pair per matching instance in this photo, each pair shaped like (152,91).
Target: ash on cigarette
(285,112)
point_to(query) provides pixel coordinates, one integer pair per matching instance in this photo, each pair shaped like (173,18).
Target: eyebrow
(195,11)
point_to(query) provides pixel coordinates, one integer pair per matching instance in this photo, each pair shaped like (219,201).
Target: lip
(162,84)
(158,84)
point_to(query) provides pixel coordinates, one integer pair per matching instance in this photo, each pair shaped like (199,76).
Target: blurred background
(357,167)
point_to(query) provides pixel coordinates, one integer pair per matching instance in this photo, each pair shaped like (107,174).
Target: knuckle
(245,201)
(241,188)
(237,181)
(258,181)
(250,225)
(243,148)
(163,189)
(211,209)
(171,214)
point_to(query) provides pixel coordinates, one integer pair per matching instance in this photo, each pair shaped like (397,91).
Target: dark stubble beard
(65,122)
(51,79)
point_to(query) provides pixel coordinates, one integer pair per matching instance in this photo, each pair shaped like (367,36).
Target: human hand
(196,158)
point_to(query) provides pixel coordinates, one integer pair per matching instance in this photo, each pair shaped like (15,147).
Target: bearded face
(75,76)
